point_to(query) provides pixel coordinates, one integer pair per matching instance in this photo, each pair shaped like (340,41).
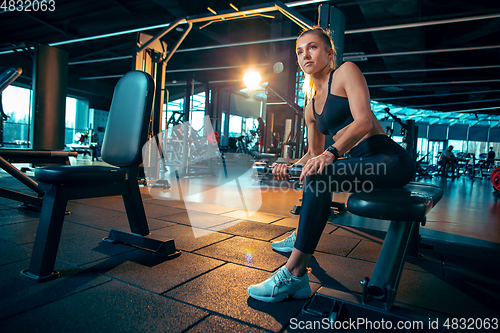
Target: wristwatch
(334,151)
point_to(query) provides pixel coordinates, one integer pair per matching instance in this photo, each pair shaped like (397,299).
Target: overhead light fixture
(252,78)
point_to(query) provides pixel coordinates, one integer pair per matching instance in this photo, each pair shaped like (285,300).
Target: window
(16,105)
(77,121)
(478,148)
(235,126)
(197,111)
(459,146)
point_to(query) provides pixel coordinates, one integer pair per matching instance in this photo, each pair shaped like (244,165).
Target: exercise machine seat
(409,203)
(66,174)
(406,208)
(126,133)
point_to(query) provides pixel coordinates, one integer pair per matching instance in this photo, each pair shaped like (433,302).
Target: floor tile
(190,239)
(256,230)
(141,269)
(107,308)
(333,244)
(199,219)
(223,291)
(12,253)
(215,323)
(257,217)
(18,294)
(248,252)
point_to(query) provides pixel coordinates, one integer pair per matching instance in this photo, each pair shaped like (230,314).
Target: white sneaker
(285,245)
(279,286)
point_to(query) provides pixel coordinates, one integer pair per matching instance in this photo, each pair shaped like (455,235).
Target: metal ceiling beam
(438,95)
(212,68)
(196,19)
(393,54)
(442,69)
(478,110)
(430,83)
(44,23)
(424,24)
(455,103)
(294,4)
(100,51)
(99,60)
(122,7)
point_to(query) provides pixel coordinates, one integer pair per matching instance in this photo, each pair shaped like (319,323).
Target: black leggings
(376,162)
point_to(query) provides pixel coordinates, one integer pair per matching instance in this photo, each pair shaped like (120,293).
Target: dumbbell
(264,169)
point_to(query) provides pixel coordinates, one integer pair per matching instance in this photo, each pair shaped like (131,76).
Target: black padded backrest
(128,120)
(8,75)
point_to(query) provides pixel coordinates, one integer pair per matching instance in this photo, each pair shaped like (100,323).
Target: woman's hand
(316,164)
(280,171)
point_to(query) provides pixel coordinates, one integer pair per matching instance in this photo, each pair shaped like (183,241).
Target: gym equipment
(126,133)
(187,150)
(495,179)
(420,171)
(263,171)
(475,168)
(9,156)
(407,208)
(8,75)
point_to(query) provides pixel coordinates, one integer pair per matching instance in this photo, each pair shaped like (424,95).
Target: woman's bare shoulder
(348,67)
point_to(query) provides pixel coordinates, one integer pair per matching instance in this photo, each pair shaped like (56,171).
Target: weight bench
(406,208)
(126,133)
(9,156)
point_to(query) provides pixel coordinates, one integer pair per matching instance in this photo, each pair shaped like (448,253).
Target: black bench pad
(409,203)
(80,174)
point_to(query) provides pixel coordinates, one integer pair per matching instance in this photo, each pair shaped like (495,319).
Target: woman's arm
(315,144)
(353,82)
(315,140)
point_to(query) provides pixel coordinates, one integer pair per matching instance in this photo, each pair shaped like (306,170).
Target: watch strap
(332,149)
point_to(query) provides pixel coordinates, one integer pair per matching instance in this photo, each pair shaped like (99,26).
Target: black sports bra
(336,113)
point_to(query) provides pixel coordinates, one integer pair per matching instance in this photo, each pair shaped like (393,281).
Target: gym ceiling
(441,56)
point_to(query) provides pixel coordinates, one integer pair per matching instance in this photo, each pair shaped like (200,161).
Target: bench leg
(135,209)
(48,236)
(384,280)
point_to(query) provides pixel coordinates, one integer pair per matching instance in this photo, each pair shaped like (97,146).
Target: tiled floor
(115,288)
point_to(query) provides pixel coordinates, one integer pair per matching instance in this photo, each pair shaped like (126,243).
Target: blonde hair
(309,88)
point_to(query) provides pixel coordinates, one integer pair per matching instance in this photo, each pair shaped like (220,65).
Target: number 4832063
(28,5)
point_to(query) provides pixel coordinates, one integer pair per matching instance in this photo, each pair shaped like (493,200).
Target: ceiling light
(252,78)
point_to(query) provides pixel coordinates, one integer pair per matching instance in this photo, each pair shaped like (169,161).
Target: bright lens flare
(249,255)
(252,78)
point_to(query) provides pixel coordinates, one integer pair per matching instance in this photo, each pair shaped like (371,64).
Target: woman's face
(312,54)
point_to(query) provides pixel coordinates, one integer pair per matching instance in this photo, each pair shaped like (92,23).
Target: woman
(339,107)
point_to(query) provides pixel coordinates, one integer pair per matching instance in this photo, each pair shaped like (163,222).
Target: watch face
(278,67)
(334,151)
